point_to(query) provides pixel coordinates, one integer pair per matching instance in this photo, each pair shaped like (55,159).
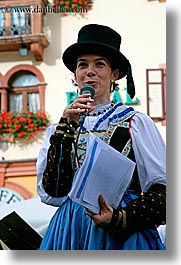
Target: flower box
(15,126)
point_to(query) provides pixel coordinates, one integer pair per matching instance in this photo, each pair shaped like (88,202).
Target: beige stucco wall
(142,25)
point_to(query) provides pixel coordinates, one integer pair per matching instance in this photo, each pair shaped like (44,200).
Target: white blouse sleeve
(150,151)
(40,167)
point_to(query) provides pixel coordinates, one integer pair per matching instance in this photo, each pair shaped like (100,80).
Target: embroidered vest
(121,141)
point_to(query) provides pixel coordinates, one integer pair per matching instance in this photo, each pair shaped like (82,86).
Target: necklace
(99,112)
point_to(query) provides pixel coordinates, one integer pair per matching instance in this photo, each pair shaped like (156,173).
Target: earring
(114,86)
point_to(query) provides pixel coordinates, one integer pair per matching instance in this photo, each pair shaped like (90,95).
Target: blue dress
(71,229)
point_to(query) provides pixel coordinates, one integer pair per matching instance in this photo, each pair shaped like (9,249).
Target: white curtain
(18,19)
(2,20)
(34,102)
(25,79)
(16,101)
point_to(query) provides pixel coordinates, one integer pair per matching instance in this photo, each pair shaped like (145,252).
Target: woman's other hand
(104,217)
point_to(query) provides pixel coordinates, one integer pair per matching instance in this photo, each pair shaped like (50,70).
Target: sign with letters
(71,96)
(9,196)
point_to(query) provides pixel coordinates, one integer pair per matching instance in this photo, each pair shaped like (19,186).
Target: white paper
(104,171)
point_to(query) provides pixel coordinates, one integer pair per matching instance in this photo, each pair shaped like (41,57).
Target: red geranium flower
(21,125)
(78,5)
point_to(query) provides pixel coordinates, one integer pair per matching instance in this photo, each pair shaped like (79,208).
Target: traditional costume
(134,134)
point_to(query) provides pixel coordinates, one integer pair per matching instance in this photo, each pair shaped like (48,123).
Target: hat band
(99,43)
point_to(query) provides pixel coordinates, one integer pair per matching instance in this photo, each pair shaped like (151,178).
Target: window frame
(162,84)
(25,90)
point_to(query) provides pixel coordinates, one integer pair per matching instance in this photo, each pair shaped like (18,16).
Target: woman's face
(96,71)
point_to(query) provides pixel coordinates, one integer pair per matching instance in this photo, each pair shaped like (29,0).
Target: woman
(96,60)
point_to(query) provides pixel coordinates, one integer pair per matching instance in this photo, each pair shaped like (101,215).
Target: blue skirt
(71,229)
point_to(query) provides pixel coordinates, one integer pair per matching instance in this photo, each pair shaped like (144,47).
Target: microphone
(87,89)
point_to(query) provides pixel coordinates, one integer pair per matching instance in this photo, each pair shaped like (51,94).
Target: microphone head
(87,89)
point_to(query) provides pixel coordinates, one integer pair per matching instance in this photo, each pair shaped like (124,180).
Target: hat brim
(116,59)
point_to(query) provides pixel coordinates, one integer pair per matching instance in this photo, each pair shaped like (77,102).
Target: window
(23,92)
(14,23)
(22,89)
(156,93)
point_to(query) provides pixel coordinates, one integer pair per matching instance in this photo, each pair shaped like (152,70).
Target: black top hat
(100,40)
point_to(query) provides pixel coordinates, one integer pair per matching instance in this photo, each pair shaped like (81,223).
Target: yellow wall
(27,182)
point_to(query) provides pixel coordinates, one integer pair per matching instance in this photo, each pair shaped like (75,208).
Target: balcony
(21,29)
